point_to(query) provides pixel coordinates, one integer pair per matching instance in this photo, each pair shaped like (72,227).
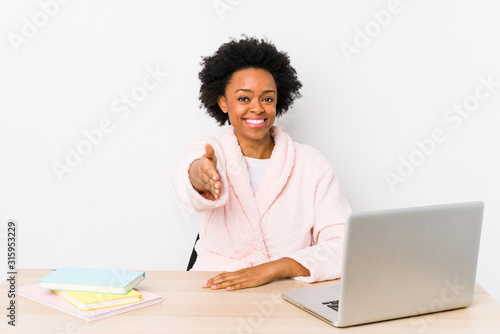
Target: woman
(269,207)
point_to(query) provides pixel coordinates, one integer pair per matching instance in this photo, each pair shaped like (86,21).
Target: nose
(256,106)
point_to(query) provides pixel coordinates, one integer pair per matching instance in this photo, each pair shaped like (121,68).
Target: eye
(268,99)
(243,99)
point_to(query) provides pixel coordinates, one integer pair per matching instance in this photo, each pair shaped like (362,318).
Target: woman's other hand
(258,275)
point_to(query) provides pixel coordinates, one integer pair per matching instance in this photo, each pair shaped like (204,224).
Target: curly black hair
(243,54)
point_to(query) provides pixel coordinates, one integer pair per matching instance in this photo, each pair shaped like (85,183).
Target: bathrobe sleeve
(324,257)
(182,185)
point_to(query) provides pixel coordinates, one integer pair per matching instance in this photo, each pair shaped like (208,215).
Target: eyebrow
(251,91)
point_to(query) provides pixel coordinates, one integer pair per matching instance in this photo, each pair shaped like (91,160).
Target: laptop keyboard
(333,305)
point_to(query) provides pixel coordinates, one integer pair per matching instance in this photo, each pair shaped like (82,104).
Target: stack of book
(91,294)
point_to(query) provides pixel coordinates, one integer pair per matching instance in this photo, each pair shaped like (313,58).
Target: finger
(222,277)
(237,287)
(210,170)
(228,281)
(216,186)
(209,151)
(211,180)
(209,196)
(209,167)
(210,155)
(234,285)
(223,285)
(211,281)
(210,185)
(207,179)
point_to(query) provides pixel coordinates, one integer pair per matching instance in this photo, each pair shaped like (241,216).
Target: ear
(221,101)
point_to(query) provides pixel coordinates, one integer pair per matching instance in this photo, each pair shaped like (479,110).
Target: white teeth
(254,121)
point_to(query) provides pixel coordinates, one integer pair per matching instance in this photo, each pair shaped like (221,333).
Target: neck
(257,149)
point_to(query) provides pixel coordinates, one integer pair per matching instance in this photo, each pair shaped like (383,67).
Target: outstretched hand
(203,175)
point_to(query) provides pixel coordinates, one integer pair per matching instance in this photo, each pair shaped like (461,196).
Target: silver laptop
(399,263)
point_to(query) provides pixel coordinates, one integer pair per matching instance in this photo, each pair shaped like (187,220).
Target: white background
(117,209)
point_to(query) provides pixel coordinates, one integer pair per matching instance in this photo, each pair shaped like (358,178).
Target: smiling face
(250,102)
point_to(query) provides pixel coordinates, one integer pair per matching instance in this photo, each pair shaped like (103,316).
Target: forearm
(287,267)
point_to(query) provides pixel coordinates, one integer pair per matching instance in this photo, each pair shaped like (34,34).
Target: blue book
(92,280)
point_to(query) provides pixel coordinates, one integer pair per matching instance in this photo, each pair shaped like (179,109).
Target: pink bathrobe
(298,210)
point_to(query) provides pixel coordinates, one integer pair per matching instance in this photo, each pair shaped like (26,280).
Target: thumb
(210,154)
(209,151)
